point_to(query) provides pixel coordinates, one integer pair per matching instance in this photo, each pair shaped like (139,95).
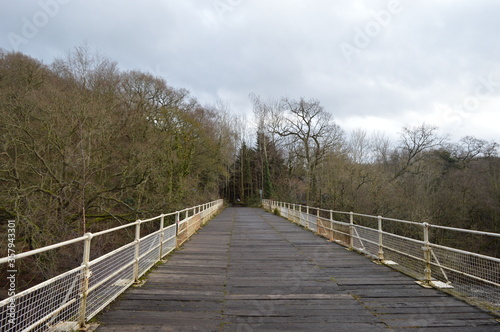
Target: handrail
(69,300)
(470,274)
(6,259)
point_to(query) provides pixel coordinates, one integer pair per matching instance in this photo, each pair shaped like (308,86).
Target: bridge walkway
(248,270)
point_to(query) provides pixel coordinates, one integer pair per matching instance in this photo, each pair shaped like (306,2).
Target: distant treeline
(301,155)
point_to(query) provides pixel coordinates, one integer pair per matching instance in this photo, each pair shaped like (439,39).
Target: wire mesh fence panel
(109,290)
(169,240)
(149,242)
(182,234)
(148,252)
(110,275)
(303,220)
(51,303)
(407,253)
(469,274)
(281,211)
(365,240)
(102,268)
(286,212)
(312,223)
(467,263)
(341,233)
(168,246)
(295,216)
(169,231)
(194,224)
(324,228)
(148,260)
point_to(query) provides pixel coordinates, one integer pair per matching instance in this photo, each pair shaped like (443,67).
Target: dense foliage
(85,147)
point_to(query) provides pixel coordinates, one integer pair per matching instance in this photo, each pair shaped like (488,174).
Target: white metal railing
(406,245)
(69,300)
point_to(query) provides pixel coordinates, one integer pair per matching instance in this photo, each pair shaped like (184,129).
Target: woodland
(86,146)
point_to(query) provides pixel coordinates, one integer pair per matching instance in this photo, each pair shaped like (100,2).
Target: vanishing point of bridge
(250,270)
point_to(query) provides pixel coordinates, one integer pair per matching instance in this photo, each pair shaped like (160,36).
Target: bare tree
(310,131)
(470,147)
(261,114)
(414,142)
(380,147)
(358,146)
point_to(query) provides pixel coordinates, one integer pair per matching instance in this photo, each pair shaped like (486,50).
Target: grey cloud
(422,57)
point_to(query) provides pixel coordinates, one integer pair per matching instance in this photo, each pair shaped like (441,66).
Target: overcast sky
(375,65)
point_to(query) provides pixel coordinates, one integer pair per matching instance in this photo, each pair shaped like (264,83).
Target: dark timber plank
(248,270)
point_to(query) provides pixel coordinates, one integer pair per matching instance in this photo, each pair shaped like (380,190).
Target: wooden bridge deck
(248,270)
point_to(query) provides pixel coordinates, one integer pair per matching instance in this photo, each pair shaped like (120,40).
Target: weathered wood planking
(248,270)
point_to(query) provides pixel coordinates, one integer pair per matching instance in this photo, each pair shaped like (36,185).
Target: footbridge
(249,269)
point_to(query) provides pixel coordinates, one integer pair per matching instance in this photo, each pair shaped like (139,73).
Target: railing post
(137,251)
(351,230)
(332,238)
(380,240)
(307,216)
(85,282)
(317,221)
(177,223)
(177,218)
(427,255)
(301,222)
(162,236)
